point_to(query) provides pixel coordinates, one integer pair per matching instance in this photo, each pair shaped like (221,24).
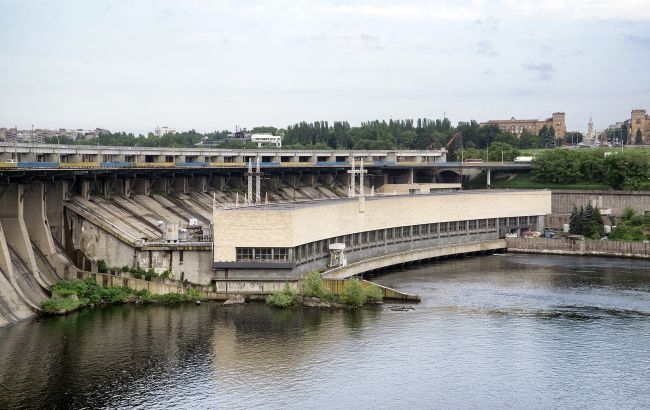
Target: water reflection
(526,331)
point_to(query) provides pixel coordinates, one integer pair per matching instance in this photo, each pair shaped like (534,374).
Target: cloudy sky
(133,65)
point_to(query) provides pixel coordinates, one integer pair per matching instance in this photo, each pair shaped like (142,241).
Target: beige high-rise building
(515,126)
(640,122)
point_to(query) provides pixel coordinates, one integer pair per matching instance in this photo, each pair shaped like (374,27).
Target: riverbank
(69,296)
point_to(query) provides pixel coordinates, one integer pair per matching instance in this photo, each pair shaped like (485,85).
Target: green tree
(501,151)
(574,221)
(547,136)
(558,166)
(638,139)
(629,170)
(527,140)
(593,226)
(406,139)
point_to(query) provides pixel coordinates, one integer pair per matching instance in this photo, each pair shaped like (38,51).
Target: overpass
(90,162)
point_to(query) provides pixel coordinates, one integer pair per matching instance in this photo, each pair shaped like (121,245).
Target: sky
(213,65)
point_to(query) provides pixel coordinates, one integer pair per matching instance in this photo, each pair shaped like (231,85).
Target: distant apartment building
(160,131)
(517,127)
(639,126)
(39,135)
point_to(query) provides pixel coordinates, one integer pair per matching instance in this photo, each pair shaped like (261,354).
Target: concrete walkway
(380,262)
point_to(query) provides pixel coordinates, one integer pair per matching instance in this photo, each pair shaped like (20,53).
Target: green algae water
(501,331)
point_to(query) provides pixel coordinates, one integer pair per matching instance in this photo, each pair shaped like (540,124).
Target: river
(499,331)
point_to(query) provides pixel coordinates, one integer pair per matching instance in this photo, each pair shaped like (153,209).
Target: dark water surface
(511,331)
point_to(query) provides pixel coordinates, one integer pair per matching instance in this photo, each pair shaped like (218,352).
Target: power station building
(284,241)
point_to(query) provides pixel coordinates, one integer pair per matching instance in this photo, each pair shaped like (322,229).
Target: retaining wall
(562,202)
(563,246)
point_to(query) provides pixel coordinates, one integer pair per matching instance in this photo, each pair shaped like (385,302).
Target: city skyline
(213,65)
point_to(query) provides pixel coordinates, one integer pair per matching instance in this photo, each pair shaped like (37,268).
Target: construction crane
(456,136)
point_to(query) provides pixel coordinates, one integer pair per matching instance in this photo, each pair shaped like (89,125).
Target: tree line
(627,170)
(418,134)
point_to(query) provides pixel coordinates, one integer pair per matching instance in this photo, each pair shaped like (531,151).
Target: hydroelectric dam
(236,221)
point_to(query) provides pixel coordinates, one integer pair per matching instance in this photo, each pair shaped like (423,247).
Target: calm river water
(502,331)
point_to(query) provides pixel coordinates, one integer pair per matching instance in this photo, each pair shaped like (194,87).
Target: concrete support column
(85,189)
(489,174)
(180,185)
(411,176)
(55,194)
(274,181)
(107,187)
(201,184)
(142,186)
(19,304)
(5,258)
(310,180)
(220,182)
(328,179)
(162,185)
(15,229)
(126,187)
(38,227)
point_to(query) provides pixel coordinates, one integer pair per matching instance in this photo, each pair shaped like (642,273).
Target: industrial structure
(269,244)
(65,208)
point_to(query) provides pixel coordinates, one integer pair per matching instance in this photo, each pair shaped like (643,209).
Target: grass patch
(72,295)
(58,306)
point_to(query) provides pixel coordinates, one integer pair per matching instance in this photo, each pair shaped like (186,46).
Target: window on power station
(262,254)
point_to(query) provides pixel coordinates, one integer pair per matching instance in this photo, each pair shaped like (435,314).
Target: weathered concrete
(564,246)
(564,201)
(385,261)
(13,307)
(15,228)
(38,227)
(55,194)
(337,287)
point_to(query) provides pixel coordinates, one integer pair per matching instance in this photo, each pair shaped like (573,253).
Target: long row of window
(262,254)
(319,249)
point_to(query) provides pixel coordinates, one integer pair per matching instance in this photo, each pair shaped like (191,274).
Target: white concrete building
(266,139)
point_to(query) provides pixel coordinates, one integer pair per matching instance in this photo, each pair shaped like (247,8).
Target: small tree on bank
(586,221)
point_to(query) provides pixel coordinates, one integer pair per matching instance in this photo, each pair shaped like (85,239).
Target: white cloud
(509,10)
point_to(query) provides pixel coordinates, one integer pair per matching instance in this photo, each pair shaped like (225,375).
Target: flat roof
(332,201)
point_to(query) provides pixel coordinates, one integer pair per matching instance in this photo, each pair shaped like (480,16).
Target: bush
(282,298)
(115,294)
(102,267)
(353,294)
(138,272)
(170,298)
(64,289)
(312,286)
(144,295)
(374,293)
